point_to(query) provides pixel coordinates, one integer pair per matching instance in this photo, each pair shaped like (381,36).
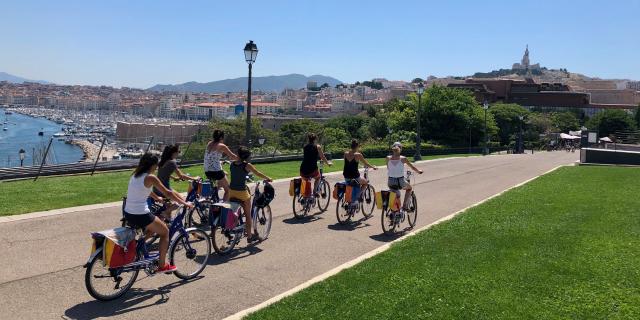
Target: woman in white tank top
(216,149)
(136,210)
(395,171)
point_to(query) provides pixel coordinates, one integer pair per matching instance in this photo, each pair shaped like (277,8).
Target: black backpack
(267,195)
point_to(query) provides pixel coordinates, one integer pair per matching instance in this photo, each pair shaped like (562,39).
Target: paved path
(40,266)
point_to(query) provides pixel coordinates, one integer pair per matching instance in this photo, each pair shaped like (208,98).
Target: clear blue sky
(142,43)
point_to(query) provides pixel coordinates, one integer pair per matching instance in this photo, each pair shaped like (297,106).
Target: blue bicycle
(189,250)
(225,239)
(198,216)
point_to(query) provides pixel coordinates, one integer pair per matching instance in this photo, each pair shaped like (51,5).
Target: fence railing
(33,172)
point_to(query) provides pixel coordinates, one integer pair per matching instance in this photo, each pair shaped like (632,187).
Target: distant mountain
(270,83)
(15,79)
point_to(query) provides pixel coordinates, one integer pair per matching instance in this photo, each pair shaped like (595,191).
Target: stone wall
(178,132)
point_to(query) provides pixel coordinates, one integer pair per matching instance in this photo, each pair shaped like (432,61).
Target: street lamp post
(419,91)
(250,54)
(520,142)
(261,141)
(22,154)
(485,106)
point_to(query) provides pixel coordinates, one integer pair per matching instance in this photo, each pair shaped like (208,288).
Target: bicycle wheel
(104,285)
(343,212)
(198,217)
(299,207)
(262,222)
(412,210)
(325,195)
(189,253)
(224,240)
(367,201)
(388,219)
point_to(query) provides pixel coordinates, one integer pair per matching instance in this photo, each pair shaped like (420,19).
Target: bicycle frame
(351,206)
(147,258)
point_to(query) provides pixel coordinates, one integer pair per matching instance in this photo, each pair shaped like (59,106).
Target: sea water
(22,133)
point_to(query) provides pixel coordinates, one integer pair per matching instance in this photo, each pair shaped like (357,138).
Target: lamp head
(250,52)
(420,89)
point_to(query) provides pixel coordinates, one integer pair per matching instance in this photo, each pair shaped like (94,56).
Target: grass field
(565,246)
(17,197)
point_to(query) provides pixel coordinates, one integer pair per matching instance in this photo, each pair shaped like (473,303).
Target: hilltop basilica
(524,64)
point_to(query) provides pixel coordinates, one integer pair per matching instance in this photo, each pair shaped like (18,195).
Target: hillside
(269,83)
(15,79)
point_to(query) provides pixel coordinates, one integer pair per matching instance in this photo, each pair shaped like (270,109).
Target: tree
(373,85)
(610,121)
(565,121)
(447,115)
(417,80)
(537,124)
(507,119)
(356,126)
(335,139)
(294,134)
(636,116)
(235,131)
(324,85)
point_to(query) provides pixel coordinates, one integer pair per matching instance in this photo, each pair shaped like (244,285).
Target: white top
(396,168)
(137,194)
(212,160)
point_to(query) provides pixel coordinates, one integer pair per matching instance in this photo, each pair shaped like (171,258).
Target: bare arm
(257,173)
(183,176)
(405,160)
(229,153)
(360,157)
(152,180)
(155,197)
(324,159)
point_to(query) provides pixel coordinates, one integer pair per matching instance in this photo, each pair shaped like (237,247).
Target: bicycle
(321,192)
(392,218)
(225,239)
(198,216)
(187,246)
(349,209)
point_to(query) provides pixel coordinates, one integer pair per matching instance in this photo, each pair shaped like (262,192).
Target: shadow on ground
(235,254)
(304,220)
(135,299)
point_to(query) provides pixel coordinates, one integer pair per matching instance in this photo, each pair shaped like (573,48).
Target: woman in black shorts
(136,210)
(216,149)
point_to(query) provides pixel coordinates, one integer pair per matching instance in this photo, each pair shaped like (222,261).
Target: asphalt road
(41,274)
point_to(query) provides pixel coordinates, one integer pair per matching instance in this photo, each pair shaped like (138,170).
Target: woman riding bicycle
(216,149)
(166,168)
(136,210)
(352,159)
(395,169)
(309,166)
(238,187)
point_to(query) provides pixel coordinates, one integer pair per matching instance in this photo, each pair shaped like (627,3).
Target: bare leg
(160,228)
(246,208)
(224,183)
(315,185)
(167,212)
(407,197)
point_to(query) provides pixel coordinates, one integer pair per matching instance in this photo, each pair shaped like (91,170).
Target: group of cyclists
(148,189)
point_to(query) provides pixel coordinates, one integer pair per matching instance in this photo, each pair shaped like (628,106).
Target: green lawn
(565,246)
(17,197)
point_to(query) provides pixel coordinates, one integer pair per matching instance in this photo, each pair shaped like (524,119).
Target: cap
(396,145)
